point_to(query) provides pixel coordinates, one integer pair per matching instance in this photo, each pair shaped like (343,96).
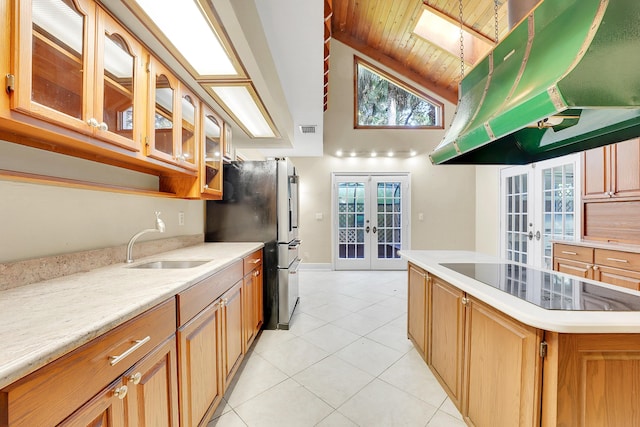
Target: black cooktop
(546,289)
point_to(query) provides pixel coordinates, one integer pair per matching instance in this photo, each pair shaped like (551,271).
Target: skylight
(445,33)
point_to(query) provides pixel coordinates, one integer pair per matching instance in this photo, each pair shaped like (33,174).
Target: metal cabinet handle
(569,253)
(135,378)
(137,345)
(121,392)
(465,300)
(103,127)
(257,260)
(617,260)
(595,268)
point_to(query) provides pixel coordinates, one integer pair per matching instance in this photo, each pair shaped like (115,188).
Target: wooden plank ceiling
(383,31)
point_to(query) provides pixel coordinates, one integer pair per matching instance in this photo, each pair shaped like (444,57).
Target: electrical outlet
(180,218)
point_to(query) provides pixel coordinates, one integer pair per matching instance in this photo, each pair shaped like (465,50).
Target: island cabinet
(417,309)
(487,362)
(445,320)
(207,340)
(128,376)
(591,380)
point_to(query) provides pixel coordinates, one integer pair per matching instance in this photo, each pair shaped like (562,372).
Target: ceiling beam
(450,95)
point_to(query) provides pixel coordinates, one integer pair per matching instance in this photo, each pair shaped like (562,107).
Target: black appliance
(260,204)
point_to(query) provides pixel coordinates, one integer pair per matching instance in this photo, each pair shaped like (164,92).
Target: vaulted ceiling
(383,31)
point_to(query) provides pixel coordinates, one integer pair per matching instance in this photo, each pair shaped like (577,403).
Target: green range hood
(566,79)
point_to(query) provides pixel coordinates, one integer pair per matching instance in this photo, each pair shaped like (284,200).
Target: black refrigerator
(260,204)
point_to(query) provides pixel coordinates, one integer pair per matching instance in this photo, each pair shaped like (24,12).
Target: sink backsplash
(20,273)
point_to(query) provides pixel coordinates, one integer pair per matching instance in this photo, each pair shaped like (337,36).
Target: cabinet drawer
(193,300)
(576,253)
(50,394)
(252,261)
(618,259)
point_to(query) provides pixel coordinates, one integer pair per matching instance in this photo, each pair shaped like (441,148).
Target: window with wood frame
(383,101)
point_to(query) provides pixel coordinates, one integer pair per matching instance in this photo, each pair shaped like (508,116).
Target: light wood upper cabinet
(612,171)
(211,154)
(76,67)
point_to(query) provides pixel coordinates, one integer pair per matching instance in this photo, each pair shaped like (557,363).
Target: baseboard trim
(316,266)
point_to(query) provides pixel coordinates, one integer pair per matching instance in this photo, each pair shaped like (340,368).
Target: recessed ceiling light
(412,153)
(353,154)
(390,154)
(374,154)
(170,20)
(241,101)
(339,153)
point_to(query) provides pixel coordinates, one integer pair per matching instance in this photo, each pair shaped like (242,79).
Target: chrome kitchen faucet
(159,227)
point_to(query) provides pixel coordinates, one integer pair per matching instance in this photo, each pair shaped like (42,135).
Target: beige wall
(42,220)
(488,209)
(444,194)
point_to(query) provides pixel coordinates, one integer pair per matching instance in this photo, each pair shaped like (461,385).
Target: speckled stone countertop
(44,320)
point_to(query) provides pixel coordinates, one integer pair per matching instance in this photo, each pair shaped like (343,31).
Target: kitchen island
(513,345)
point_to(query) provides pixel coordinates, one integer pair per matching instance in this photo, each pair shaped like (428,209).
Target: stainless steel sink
(170,264)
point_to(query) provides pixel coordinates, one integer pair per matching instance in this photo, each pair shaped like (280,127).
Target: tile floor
(345,361)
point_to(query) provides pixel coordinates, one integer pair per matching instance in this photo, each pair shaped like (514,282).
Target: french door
(540,204)
(370,221)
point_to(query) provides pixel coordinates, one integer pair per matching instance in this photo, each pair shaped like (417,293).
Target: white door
(540,204)
(370,221)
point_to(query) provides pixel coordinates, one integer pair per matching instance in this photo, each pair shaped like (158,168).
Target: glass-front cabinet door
(53,63)
(211,165)
(162,132)
(76,67)
(186,153)
(120,79)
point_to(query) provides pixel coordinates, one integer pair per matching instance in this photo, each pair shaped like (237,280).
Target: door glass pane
(516,224)
(58,56)
(212,152)
(164,115)
(351,222)
(188,129)
(117,109)
(389,219)
(559,208)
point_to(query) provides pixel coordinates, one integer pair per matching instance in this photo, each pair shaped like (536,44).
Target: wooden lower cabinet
(576,268)
(200,348)
(232,325)
(253,297)
(503,369)
(446,316)
(417,308)
(146,395)
(104,410)
(615,267)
